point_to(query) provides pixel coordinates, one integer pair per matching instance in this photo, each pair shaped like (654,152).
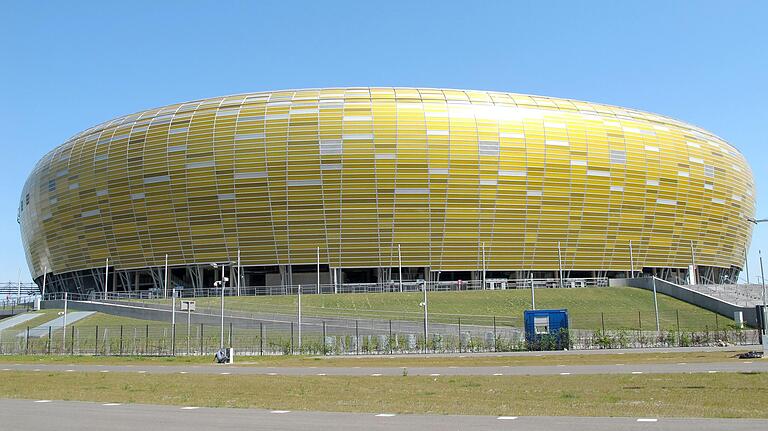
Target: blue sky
(65,67)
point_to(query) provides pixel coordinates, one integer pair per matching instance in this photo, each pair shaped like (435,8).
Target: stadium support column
(42,291)
(693,275)
(483,278)
(318,270)
(400,267)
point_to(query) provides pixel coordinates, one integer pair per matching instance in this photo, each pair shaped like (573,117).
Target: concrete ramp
(55,324)
(17,320)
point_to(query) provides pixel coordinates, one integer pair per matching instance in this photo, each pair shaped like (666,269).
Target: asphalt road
(39,415)
(618,368)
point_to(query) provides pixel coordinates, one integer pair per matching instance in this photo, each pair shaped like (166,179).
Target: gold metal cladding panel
(358,171)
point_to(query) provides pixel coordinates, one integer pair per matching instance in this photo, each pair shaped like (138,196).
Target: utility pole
(64,336)
(560,263)
(299,316)
(655,303)
(426,316)
(106,278)
(165,282)
(746,264)
(765,314)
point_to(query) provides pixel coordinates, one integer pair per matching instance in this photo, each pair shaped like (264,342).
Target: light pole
(221,283)
(426,325)
(298,291)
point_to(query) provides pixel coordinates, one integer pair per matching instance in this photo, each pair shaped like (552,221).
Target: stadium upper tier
(533,183)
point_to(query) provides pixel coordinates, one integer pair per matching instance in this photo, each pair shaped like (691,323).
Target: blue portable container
(546,329)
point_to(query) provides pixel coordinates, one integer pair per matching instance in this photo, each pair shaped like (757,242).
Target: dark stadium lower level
(284,278)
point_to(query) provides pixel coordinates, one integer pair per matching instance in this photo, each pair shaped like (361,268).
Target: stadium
(345,187)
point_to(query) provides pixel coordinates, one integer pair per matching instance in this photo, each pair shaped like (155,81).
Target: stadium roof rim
(673,119)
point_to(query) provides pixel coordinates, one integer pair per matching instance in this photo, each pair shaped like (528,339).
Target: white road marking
(435,375)
(565,374)
(322,374)
(36,369)
(375,375)
(271,374)
(647,420)
(190,408)
(498,374)
(6,369)
(224,374)
(43,401)
(747,362)
(711,371)
(141,372)
(279,412)
(506,418)
(682,363)
(111,404)
(637,372)
(385,415)
(182,372)
(453,367)
(69,371)
(104,371)
(619,365)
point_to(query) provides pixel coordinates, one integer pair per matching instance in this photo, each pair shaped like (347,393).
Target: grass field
(671,395)
(589,308)
(659,357)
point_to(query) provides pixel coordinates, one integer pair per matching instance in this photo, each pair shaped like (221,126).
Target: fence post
(639,321)
(261,338)
(324,352)
(72,342)
(291,338)
(173,339)
(231,337)
(26,341)
(202,352)
(495,342)
(146,341)
(389,342)
(49,339)
(121,340)
(96,346)
(602,321)
(677,315)
(717,324)
(357,339)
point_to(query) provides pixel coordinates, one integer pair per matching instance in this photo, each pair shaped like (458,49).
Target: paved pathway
(43,415)
(741,366)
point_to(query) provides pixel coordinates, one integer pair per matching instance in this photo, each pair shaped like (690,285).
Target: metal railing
(312,288)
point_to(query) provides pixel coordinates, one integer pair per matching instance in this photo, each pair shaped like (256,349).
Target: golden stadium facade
(456,181)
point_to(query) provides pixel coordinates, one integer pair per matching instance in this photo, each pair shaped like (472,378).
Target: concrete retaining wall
(691,296)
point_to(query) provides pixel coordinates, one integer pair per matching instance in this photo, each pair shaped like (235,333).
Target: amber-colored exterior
(357,171)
